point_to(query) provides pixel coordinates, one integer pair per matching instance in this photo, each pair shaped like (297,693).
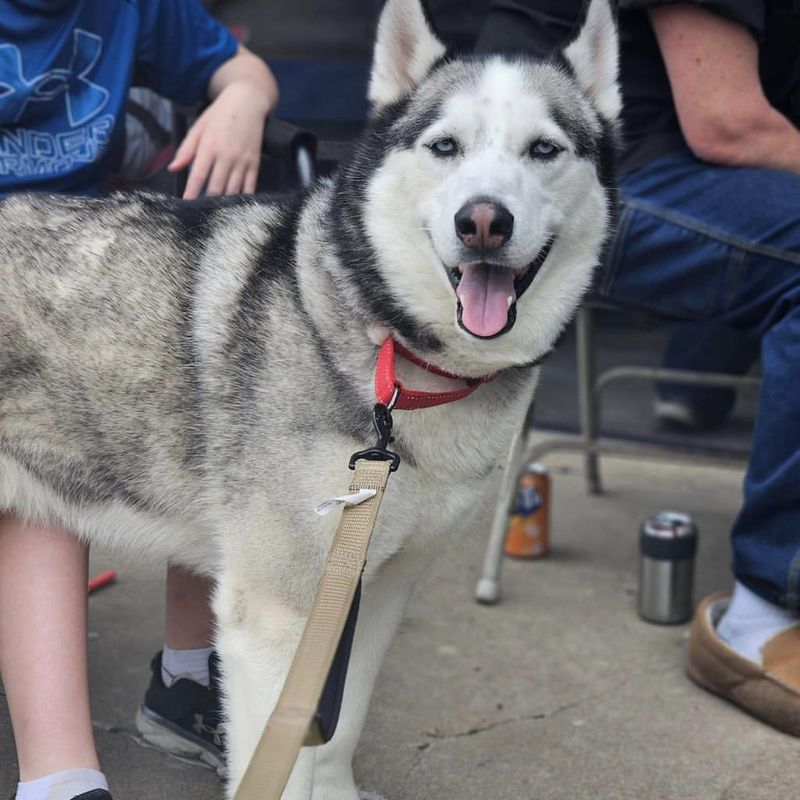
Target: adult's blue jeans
(702,242)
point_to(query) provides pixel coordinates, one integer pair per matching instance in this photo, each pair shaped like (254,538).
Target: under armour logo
(84,99)
(215,731)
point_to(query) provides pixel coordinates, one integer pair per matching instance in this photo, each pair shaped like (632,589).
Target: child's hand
(224,144)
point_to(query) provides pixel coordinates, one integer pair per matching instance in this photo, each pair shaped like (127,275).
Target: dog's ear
(405,49)
(594,56)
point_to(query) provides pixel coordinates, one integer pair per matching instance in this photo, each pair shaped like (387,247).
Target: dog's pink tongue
(484,293)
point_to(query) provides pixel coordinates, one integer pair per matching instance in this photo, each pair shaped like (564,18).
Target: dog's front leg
(256,640)
(382,605)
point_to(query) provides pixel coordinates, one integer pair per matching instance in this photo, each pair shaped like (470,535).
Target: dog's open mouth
(488,293)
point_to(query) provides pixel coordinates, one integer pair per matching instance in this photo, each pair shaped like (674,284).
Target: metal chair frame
(588,442)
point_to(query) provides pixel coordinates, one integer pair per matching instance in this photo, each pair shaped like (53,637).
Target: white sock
(750,622)
(62,785)
(192,664)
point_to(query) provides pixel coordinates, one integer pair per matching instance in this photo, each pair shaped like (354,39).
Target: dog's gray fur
(186,381)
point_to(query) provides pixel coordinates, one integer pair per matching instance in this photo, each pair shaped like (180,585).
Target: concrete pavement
(558,693)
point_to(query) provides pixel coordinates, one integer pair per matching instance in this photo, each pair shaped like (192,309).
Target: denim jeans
(708,243)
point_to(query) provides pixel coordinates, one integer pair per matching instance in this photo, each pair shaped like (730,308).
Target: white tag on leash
(345,500)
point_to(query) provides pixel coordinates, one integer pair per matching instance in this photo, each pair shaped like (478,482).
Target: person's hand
(224,145)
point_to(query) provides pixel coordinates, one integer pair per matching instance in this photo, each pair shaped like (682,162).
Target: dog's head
(474,210)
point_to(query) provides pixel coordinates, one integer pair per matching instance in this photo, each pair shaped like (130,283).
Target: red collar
(388,388)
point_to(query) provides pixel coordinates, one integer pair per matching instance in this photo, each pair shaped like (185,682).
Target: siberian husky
(186,380)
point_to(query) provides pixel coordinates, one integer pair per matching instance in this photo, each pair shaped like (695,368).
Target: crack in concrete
(501,722)
(137,738)
(443,737)
(110,727)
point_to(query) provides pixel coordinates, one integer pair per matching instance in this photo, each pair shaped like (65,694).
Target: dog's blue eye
(543,149)
(444,147)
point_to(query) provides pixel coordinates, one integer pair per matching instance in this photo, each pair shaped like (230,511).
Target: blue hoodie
(65,70)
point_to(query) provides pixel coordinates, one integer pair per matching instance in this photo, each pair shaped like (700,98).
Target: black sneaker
(184,719)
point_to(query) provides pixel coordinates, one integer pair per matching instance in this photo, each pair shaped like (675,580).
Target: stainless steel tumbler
(667,545)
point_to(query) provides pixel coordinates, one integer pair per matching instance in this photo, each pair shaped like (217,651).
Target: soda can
(529,524)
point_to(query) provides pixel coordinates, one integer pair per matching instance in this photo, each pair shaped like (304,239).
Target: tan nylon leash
(290,726)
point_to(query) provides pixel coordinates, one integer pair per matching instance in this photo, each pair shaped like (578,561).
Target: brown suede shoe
(770,692)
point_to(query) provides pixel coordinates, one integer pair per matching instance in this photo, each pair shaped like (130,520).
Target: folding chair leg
(587,397)
(487,590)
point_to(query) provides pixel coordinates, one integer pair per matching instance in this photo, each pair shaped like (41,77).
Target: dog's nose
(484,224)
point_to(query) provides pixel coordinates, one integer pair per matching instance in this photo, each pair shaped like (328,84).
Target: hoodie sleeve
(180,46)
